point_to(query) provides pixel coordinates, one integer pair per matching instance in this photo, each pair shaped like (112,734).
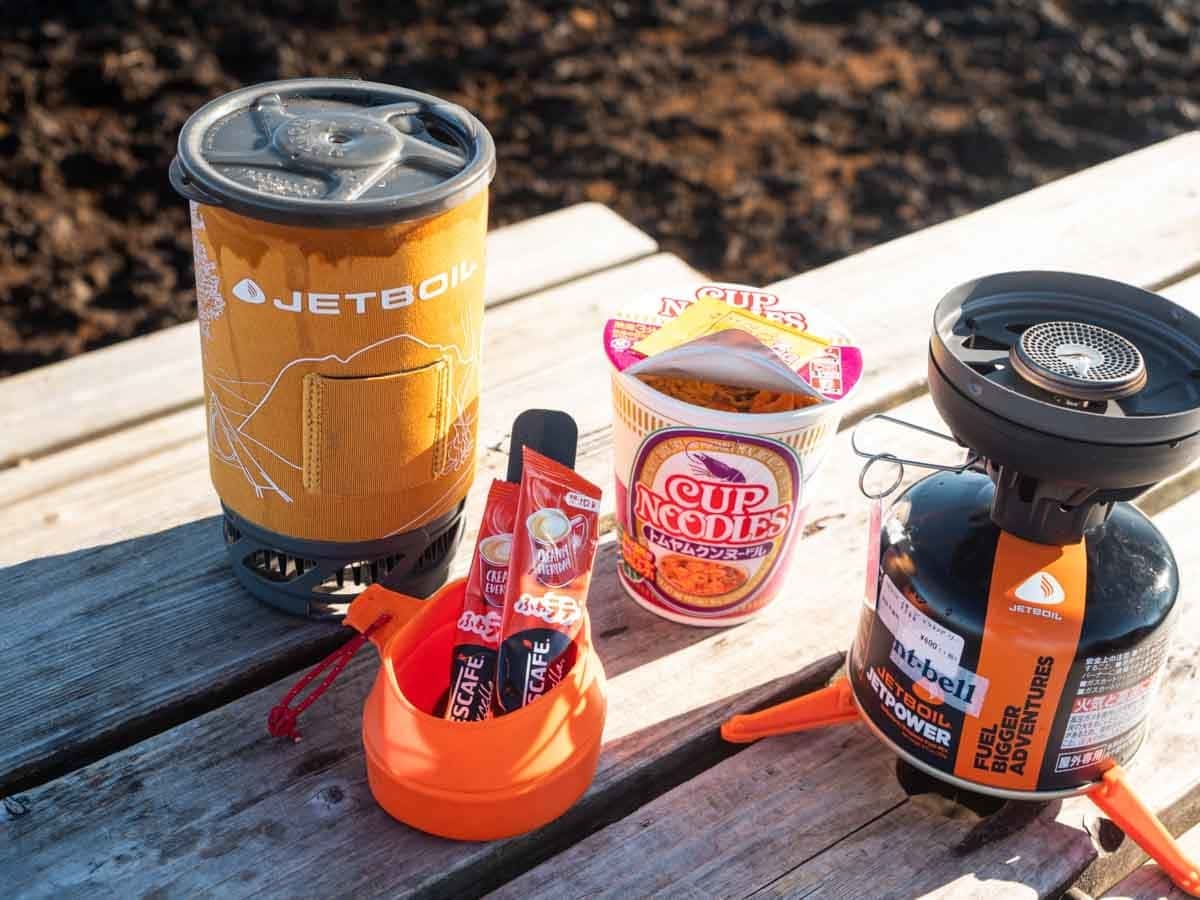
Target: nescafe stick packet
(554,544)
(473,668)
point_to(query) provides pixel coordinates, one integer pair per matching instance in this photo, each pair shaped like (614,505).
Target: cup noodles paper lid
(833,373)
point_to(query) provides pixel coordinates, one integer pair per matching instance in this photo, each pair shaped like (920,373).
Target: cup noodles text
(708,520)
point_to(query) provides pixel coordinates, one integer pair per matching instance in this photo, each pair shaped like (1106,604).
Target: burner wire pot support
(899,462)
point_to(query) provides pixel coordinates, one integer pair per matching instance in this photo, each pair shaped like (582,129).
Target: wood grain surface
(142,636)
(1134,218)
(669,688)
(1148,882)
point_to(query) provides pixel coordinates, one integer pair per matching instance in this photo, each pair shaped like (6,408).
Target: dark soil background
(756,140)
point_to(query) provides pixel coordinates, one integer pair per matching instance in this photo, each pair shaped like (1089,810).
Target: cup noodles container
(338,232)
(711,504)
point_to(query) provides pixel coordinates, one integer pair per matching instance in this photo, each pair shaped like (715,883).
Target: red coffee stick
(473,670)
(554,544)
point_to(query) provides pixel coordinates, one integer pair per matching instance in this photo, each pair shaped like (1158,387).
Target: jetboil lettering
(325,303)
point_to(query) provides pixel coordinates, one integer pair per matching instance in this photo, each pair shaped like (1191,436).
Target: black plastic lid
(331,152)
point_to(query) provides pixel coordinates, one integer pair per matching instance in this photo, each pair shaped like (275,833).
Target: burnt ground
(754,139)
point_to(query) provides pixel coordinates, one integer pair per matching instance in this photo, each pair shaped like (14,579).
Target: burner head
(1078,360)
(1078,391)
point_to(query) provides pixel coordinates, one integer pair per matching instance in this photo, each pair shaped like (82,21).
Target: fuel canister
(1007,666)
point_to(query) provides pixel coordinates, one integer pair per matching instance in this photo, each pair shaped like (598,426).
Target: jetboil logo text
(1043,590)
(324,303)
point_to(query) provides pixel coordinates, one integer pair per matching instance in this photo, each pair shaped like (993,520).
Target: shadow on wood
(170,812)
(105,642)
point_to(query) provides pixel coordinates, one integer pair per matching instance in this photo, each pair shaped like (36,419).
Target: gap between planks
(191,600)
(895,383)
(1149,882)
(647,657)
(1064,225)
(600,473)
(659,674)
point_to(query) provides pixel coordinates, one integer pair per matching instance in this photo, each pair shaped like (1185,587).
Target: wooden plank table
(135,759)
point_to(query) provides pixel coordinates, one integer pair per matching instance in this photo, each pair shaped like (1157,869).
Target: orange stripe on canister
(1031,634)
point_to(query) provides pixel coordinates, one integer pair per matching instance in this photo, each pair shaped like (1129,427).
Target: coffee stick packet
(473,668)
(554,545)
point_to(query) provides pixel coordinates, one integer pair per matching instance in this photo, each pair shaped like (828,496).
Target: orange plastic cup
(470,781)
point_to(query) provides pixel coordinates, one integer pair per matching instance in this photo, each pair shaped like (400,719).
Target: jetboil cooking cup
(1018,612)
(338,230)
(470,781)
(714,495)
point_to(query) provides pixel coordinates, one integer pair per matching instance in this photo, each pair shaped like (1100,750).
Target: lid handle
(376,601)
(187,187)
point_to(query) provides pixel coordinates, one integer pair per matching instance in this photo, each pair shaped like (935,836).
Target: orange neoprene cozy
(341,369)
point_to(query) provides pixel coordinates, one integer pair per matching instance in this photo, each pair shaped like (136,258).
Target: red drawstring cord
(281,721)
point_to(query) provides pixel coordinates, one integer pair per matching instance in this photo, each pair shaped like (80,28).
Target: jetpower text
(925,722)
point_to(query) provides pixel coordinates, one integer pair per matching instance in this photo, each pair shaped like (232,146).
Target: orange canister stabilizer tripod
(834,705)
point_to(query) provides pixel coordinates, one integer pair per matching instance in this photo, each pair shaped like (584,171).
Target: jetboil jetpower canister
(1014,639)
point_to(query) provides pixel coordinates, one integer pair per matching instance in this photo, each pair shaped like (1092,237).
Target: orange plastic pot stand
(832,705)
(1118,801)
